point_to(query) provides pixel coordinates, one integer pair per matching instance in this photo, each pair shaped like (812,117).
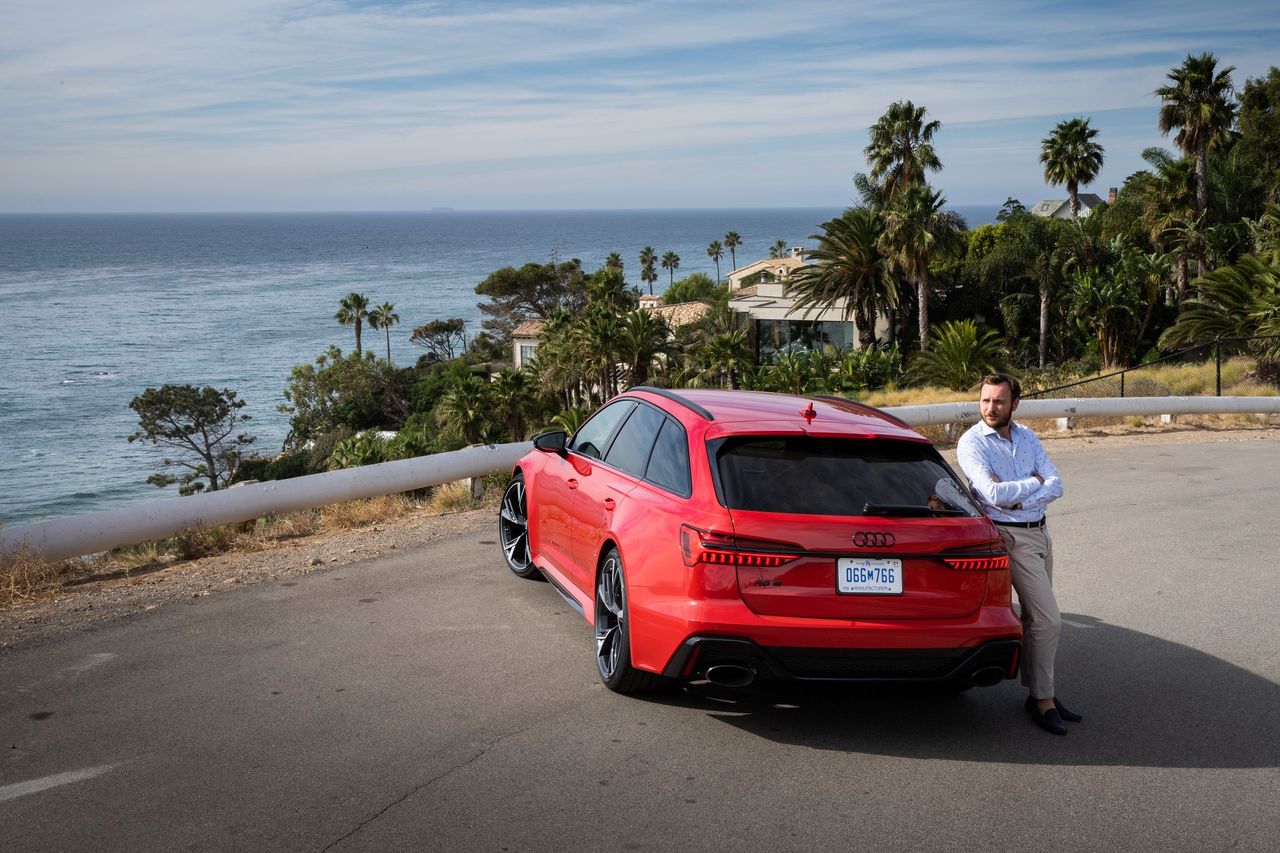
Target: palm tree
(915,226)
(848,265)
(352,310)
(671,263)
(732,240)
(727,355)
(1029,251)
(464,408)
(613,262)
(778,249)
(901,148)
(1238,301)
(1198,105)
(715,252)
(1168,202)
(648,261)
(964,354)
(512,392)
(1071,157)
(642,337)
(384,317)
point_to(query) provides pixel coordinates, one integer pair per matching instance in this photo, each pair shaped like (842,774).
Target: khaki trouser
(1031,565)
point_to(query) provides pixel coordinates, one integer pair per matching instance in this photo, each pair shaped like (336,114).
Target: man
(1012,478)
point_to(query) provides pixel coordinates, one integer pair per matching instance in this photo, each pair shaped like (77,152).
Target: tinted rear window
(820,476)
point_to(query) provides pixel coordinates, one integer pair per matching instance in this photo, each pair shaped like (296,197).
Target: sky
(310,105)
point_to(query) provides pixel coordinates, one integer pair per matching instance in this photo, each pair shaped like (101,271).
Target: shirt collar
(989,430)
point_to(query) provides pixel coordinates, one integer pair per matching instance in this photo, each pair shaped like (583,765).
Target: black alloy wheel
(513,529)
(613,639)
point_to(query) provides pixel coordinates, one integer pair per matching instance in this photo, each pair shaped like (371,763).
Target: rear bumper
(985,664)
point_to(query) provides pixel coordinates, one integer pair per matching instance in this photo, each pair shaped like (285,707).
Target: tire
(613,637)
(513,529)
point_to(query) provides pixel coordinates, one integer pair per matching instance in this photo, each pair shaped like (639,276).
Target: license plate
(860,576)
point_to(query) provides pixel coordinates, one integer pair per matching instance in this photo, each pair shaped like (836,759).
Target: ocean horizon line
(442,210)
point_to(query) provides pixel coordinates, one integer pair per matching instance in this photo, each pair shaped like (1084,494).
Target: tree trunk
(866,327)
(357,336)
(1182,278)
(1073,193)
(1044,326)
(388,344)
(922,294)
(1202,179)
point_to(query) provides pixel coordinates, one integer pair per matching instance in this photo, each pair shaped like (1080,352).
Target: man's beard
(1000,423)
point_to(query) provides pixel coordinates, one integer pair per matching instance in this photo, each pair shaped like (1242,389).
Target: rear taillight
(978,564)
(721,549)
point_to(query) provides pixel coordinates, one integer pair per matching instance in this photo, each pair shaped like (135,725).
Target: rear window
(830,476)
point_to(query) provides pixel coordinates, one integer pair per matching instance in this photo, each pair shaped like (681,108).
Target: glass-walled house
(758,290)
(774,337)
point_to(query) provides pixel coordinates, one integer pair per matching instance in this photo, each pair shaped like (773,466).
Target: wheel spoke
(606,648)
(517,544)
(513,527)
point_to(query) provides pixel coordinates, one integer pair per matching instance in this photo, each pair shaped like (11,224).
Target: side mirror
(551,442)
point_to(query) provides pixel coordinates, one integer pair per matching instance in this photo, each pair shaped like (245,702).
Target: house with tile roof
(767,269)
(525,338)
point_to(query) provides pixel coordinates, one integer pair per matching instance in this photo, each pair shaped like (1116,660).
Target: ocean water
(97,308)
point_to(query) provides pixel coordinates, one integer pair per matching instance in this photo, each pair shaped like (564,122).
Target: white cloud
(198,104)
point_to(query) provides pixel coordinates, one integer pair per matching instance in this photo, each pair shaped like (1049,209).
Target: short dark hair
(1015,388)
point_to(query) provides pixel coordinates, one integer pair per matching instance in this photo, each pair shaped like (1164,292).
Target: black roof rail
(854,406)
(672,395)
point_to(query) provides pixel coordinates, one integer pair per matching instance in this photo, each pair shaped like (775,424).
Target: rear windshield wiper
(908,510)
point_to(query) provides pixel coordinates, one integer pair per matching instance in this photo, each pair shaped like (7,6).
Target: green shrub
(288,465)
(367,448)
(959,356)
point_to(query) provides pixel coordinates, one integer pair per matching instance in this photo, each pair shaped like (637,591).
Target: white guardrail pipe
(62,538)
(1083,407)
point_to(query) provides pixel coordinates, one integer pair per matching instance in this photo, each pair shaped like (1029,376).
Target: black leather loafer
(1049,721)
(1063,711)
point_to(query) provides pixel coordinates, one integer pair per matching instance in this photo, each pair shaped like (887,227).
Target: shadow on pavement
(1147,702)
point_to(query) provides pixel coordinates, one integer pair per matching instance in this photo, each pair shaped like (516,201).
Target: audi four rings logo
(873,540)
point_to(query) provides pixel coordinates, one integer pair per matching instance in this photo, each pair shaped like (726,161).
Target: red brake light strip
(978,564)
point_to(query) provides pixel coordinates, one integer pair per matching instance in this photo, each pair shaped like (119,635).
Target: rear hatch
(852,527)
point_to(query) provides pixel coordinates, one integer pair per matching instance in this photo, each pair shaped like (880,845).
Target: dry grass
(25,577)
(922,396)
(451,497)
(365,511)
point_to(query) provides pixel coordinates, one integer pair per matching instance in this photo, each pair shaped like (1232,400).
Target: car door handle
(610,504)
(571,483)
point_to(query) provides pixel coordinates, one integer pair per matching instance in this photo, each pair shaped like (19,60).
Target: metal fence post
(1122,373)
(1217,347)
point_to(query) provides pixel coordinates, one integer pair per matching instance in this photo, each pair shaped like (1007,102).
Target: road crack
(487,748)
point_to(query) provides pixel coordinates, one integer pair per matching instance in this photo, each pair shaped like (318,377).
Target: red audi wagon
(736,535)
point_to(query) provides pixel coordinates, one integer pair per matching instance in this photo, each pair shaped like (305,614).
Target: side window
(630,450)
(592,439)
(669,463)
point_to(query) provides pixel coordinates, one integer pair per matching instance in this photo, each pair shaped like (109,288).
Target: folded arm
(989,486)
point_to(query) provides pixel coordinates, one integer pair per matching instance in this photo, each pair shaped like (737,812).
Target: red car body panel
(794,605)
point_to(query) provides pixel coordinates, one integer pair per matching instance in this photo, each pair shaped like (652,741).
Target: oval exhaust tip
(730,675)
(987,676)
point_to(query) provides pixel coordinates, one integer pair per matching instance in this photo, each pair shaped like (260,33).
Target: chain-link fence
(1222,366)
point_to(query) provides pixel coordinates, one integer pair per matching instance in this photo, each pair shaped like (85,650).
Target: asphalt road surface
(430,700)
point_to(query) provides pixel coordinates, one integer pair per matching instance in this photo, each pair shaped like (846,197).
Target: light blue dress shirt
(1000,472)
